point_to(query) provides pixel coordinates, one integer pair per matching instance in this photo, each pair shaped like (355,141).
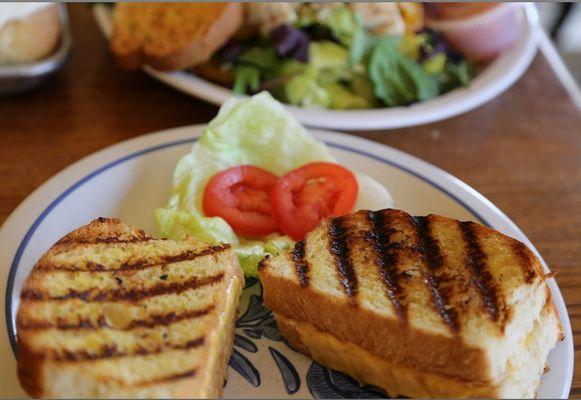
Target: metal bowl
(15,78)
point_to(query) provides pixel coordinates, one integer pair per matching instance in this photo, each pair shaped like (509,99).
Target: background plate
(129,180)
(494,80)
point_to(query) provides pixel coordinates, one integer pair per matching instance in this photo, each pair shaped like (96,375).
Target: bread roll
(28,31)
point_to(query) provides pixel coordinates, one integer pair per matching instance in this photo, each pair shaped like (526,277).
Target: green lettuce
(399,79)
(254,130)
(247,79)
(342,23)
(306,90)
(328,81)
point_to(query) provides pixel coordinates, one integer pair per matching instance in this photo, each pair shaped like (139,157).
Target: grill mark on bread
(116,345)
(122,294)
(431,256)
(101,322)
(106,240)
(481,278)
(47,265)
(112,351)
(427,246)
(386,259)
(170,318)
(339,247)
(301,265)
(523,254)
(263,263)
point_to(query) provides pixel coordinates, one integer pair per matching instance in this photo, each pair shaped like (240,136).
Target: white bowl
(491,82)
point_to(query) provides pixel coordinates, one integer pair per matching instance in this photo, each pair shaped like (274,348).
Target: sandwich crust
(171,36)
(367,367)
(385,337)
(109,311)
(429,294)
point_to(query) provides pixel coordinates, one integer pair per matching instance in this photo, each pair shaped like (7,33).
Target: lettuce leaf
(255,130)
(305,90)
(177,224)
(247,79)
(342,23)
(328,81)
(398,79)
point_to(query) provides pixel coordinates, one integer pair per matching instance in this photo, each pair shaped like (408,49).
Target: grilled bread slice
(419,306)
(109,311)
(171,36)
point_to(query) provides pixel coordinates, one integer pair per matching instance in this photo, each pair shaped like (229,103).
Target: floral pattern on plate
(257,335)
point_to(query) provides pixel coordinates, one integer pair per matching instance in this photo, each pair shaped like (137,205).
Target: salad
(341,56)
(258,180)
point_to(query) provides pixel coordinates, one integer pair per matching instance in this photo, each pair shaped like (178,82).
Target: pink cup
(481,37)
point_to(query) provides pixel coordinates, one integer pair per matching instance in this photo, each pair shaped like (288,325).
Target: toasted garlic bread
(109,311)
(171,36)
(419,306)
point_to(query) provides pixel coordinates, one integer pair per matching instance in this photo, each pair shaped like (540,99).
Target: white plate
(494,80)
(131,179)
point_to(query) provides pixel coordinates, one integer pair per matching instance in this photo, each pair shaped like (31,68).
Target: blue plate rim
(11,329)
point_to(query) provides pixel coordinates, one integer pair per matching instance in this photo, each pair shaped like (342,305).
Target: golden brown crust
(202,49)
(220,373)
(172,36)
(382,336)
(104,229)
(170,311)
(288,328)
(551,308)
(29,371)
(368,368)
(30,365)
(130,24)
(428,293)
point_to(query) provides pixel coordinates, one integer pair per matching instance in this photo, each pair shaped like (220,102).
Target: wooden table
(522,150)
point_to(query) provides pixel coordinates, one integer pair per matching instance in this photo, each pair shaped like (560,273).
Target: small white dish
(491,82)
(483,36)
(17,78)
(129,180)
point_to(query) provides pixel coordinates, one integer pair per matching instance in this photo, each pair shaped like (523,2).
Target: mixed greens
(334,62)
(253,131)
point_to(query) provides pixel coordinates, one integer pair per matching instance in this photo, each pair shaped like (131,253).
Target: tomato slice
(241,195)
(306,195)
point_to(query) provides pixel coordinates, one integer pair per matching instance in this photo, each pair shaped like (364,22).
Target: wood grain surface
(522,150)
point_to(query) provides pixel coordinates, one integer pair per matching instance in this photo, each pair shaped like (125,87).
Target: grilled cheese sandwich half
(109,311)
(418,306)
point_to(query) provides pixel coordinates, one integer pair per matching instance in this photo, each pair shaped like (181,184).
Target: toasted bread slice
(109,311)
(419,306)
(171,36)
